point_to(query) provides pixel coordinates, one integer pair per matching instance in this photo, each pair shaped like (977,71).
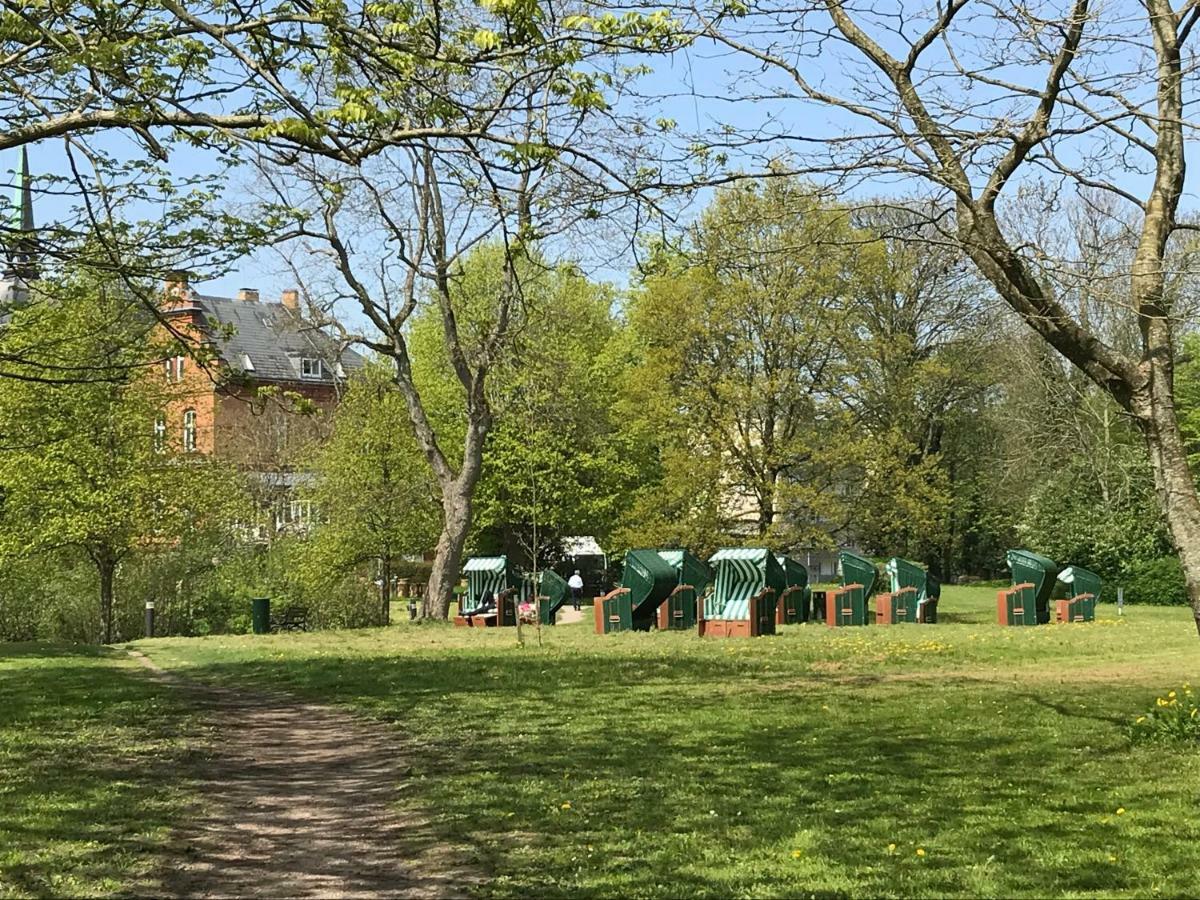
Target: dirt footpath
(298,800)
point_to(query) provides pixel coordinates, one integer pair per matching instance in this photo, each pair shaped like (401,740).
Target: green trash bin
(679,612)
(794,603)
(260,615)
(857,569)
(1038,570)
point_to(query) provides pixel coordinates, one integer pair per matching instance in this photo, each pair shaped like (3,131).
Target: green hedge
(1156,581)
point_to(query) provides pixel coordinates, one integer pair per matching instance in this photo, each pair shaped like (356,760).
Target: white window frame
(301,513)
(189,431)
(294,515)
(160,433)
(310,367)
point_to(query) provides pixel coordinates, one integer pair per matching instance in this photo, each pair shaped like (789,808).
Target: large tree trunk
(1154,410)
(106,566)
(457,508)
(1153,399)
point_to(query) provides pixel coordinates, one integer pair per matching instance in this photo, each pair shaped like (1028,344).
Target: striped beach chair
(747,585)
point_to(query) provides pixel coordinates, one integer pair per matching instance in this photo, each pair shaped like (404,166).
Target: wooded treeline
(798,364)
(794,371)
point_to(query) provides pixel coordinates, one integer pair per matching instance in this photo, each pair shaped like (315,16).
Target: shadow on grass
(585,775)
(303,802)
(36,650)
(93,771)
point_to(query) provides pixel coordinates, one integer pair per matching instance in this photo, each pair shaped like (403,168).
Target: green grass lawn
(957,759)
(89,771)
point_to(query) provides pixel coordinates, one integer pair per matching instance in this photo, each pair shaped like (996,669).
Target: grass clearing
(959,759)
(89,774)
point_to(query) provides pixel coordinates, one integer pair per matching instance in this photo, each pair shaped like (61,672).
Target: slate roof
(267,341)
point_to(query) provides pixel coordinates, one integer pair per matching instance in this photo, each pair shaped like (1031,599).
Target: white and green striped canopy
(740,574)
(485,574)
(673,558)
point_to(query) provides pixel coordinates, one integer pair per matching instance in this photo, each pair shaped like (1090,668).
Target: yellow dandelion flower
(1171,694)
(920,851)
(1141,719)
(567,805)
(1120,810)
(796,854)
(1111,858)
(891,848)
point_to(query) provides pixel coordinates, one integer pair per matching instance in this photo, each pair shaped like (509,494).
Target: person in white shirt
(575,583)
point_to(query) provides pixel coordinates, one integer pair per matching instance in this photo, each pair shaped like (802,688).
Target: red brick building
(260,385)
(259,382)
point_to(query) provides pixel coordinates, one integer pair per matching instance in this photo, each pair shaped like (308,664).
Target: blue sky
(693,87)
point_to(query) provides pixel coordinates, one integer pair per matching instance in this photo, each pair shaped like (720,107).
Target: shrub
(351,602)
(1156,581)
(20,605)
(1175,717)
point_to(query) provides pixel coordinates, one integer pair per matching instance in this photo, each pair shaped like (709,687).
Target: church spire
(24,196)
(20,253)
(18,237)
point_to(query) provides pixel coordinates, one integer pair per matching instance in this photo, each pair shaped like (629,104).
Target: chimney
(250,295)
(175,285)
(291,299)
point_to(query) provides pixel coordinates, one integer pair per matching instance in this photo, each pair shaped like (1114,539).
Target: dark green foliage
(1157,581)
(1069,519)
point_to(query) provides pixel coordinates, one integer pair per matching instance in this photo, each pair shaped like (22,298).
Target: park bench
(291,618)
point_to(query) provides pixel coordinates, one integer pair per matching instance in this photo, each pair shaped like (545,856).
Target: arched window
(189,431)
(160,433)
